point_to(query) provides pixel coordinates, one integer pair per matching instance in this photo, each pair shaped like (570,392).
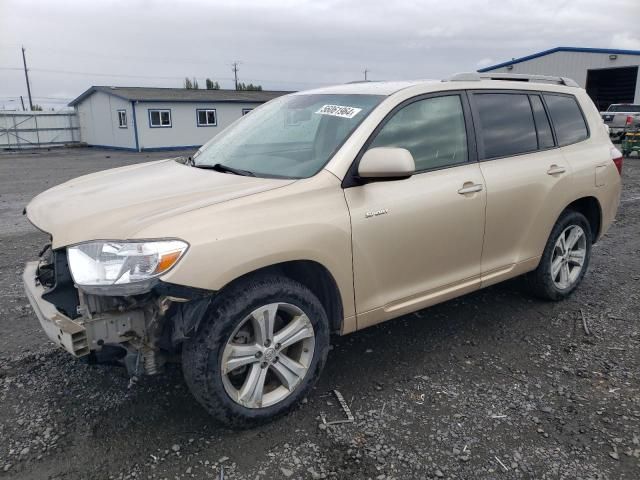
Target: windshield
(624,108)
(292,136)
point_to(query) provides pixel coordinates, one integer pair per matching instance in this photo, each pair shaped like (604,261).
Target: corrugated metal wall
(38,129)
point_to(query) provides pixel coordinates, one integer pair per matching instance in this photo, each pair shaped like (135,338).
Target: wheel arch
(313,275)
(589,207)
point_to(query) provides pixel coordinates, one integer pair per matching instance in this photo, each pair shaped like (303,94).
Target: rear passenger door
(526,179)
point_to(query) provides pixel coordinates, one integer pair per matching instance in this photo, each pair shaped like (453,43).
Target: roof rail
(517,77)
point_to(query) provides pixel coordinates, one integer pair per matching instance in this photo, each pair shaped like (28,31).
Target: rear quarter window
(567,119)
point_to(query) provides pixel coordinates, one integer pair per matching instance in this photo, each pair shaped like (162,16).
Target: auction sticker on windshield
(339,111)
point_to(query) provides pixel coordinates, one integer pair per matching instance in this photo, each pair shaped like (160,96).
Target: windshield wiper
(226,169)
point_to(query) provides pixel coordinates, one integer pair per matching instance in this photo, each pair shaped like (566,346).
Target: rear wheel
(259,352)
(565,258)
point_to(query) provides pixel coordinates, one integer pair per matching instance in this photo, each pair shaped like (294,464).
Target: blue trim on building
(151,149)
(167,149)
(135,125)
(608,51)
(110,147)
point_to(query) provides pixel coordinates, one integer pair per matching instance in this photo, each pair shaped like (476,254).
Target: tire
(541,282)
(232,318)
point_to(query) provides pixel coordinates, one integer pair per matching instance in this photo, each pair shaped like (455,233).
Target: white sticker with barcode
(339,111)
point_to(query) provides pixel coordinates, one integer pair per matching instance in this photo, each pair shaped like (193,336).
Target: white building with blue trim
(141,118)
(608,75)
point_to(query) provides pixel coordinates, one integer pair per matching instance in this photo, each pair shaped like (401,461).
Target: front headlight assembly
(130,267)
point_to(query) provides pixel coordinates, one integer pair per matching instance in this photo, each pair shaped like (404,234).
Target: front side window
(506,124)
(122,118)
(160,118)
(292,136)
(207,118)
(567,119)
(246,110)
(433,130)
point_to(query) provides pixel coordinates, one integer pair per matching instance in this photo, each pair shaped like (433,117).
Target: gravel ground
(491,385)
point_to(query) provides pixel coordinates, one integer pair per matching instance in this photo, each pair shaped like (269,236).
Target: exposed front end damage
(142,331)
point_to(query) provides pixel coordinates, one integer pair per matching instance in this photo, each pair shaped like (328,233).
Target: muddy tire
(266,332)
(565,259)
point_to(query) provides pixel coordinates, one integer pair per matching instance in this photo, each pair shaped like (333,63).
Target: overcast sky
(285,44)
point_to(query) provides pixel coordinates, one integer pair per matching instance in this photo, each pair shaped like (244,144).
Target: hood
(115,204)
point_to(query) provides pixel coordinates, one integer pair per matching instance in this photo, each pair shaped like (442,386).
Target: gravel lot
(491,385)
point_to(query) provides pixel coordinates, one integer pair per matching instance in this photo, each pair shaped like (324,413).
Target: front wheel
(259,352)
(565,258)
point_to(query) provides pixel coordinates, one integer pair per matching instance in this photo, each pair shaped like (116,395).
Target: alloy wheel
(268,355)
(568,257)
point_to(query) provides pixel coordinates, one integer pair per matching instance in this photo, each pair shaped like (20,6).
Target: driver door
(418,241)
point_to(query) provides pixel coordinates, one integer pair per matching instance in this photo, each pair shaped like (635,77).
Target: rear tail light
(617,158)
(629,119)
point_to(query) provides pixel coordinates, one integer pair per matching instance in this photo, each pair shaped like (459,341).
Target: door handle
(556,170)
(470,188)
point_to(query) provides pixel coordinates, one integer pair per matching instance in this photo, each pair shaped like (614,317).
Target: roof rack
(517,77)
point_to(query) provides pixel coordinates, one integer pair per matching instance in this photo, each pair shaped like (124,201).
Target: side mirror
(386,162)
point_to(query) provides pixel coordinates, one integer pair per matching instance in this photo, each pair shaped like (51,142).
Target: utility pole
(22,102)
(234,69)
(365,74)
(26,75)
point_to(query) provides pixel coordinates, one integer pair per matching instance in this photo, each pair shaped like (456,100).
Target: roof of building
(609,51)
(153,94)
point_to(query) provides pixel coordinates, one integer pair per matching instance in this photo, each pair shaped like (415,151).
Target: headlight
(104,263)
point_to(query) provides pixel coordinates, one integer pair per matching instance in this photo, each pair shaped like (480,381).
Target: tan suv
(323,211)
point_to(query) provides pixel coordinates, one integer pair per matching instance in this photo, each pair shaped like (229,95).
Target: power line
(62,99)
(126,75)
(163,59)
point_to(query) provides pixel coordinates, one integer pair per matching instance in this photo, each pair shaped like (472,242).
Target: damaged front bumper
(146,328)
(60,329)
(80,336)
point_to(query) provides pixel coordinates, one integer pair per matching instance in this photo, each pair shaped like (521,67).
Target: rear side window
(545,137)
(506,124)
(567,119)
(433,130)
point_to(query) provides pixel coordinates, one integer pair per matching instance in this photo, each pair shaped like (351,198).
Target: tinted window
(567,119)
(545,137)
(432,130)
(506,124)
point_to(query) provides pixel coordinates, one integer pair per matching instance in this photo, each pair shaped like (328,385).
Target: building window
(160,118)
(122,118)
(207,118)
(246,110)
